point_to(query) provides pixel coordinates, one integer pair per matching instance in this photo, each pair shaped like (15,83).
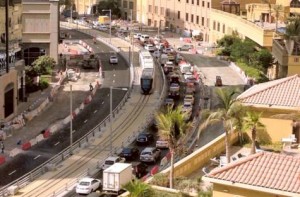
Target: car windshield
(146,153)
(126,150)
(84,183)
(113,57)
(109,162)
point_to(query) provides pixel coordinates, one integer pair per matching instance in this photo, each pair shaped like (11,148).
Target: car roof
(112,158)
(148,149)
(86,179)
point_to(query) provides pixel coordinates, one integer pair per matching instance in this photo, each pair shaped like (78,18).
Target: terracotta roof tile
(264,169)
(281,93)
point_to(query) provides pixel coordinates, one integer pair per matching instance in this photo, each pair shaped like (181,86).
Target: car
(185,47)
(144,138)
(190,88)
(102,28)
(150,154)
(139,169)
(137,35)
(87,185)
(218,81)
(113,59)
(156,54)
(111,161)
(167,50)
(149,47)
(130,153)
(168,67)
(189,98)
(174,87)
(162,143)
(160,46)
(169,102)
(187,75)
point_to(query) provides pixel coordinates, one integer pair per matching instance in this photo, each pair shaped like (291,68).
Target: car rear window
(109,162)
(84,183)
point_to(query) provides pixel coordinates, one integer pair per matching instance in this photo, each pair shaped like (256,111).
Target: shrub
(43,84)
(160,180)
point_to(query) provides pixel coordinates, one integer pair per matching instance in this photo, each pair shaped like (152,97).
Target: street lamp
(71,121)
(109,23)
(111,116)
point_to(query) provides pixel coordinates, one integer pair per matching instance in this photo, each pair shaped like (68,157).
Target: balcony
(279,52)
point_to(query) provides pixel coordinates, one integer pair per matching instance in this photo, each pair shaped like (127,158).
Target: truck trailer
(116,176)
(103,20)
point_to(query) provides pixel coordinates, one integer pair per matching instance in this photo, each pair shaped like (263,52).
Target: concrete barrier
(13,190)
(67,119)
(26,146)
(88,99)
(81,107)
(46,134)
(76,111)
(14,152)
(39,138)
(154,170)
(33,142)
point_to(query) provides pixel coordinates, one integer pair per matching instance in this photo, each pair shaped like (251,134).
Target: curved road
(95,112)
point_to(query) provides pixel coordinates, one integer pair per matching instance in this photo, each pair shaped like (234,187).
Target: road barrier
(2,160)
(26,146)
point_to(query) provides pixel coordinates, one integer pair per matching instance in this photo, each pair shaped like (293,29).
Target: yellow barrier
(200,157)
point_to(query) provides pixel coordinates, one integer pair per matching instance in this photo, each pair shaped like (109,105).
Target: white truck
(116,176)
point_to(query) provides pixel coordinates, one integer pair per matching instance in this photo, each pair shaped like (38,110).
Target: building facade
(40,19)
(11,81)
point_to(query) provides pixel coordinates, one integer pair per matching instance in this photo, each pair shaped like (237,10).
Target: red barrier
(144,178)
(154,170)
(87,100)
(46,134)
(168,156)
(2,160)
(26,146)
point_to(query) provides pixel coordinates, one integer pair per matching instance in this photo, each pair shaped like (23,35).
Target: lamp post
(71,121)
(109,23)
(111,116)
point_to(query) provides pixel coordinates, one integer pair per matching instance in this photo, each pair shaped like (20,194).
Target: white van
(144,38)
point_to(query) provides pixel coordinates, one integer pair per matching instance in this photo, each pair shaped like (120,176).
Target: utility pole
(6,35)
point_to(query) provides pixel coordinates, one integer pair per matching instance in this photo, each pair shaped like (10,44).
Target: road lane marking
(56,143)
(37,157)
(96,110)
(103,102)
(85,121)
(113,81)
(114,75)
(12,172)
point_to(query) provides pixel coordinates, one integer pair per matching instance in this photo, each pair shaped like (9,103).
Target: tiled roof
(266,170)
(283,92)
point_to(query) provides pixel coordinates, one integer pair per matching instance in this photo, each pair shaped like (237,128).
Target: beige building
(40,21)
(11,78)
(88,7)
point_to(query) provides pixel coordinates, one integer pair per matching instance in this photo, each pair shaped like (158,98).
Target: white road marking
(103,101)
(12,172)
(56,143)
(37,157)
(85,121)
(114,75)
(96,110)
(113,81)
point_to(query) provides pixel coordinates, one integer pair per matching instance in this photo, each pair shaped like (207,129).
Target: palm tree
(139,189)
(172,125)
(277,12)
(292,35)
(239,112)
(252,122)
(225,114)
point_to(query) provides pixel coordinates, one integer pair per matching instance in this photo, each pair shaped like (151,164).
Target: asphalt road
(93,114)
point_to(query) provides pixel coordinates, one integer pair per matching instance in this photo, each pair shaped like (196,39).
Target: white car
(87,185)
(168,50)
(150,47)
(111,161)
(189,98)
(137,35)
(156,54)
(113,59)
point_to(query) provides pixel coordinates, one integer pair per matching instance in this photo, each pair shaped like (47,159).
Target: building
(89,7)
(40,20)
(11,79)
(279,103)
(263,174)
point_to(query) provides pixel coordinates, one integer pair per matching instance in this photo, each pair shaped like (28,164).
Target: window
(296,59)
(150,8)
(187,17)
(168,12)
(178,14)
(192,1)
(187,1)
(162,11)
(223,29)
(214,25)
(203,3)
(208,4)
(155,9)
(192,18)
(202,21)
(198,1)
(218,27)
(131,5)
(125,4)
(197,19)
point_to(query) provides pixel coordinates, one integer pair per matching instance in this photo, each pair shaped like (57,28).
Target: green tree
(43,65)
(292,35)
(238,113)
(242,50)
(109,4)
(262,59)
(172,126)
(139,189)
(252,122)
(226,42)
(225,113)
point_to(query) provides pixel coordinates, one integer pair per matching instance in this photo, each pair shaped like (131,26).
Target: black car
(144,138)
(139,169)
(130,153)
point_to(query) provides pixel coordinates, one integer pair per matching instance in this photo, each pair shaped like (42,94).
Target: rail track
(47,186)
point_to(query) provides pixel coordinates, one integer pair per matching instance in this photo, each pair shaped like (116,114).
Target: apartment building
(88,7)
(11,82)
(40,19)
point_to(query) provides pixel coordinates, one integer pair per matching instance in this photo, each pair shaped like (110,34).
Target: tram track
(75,168)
